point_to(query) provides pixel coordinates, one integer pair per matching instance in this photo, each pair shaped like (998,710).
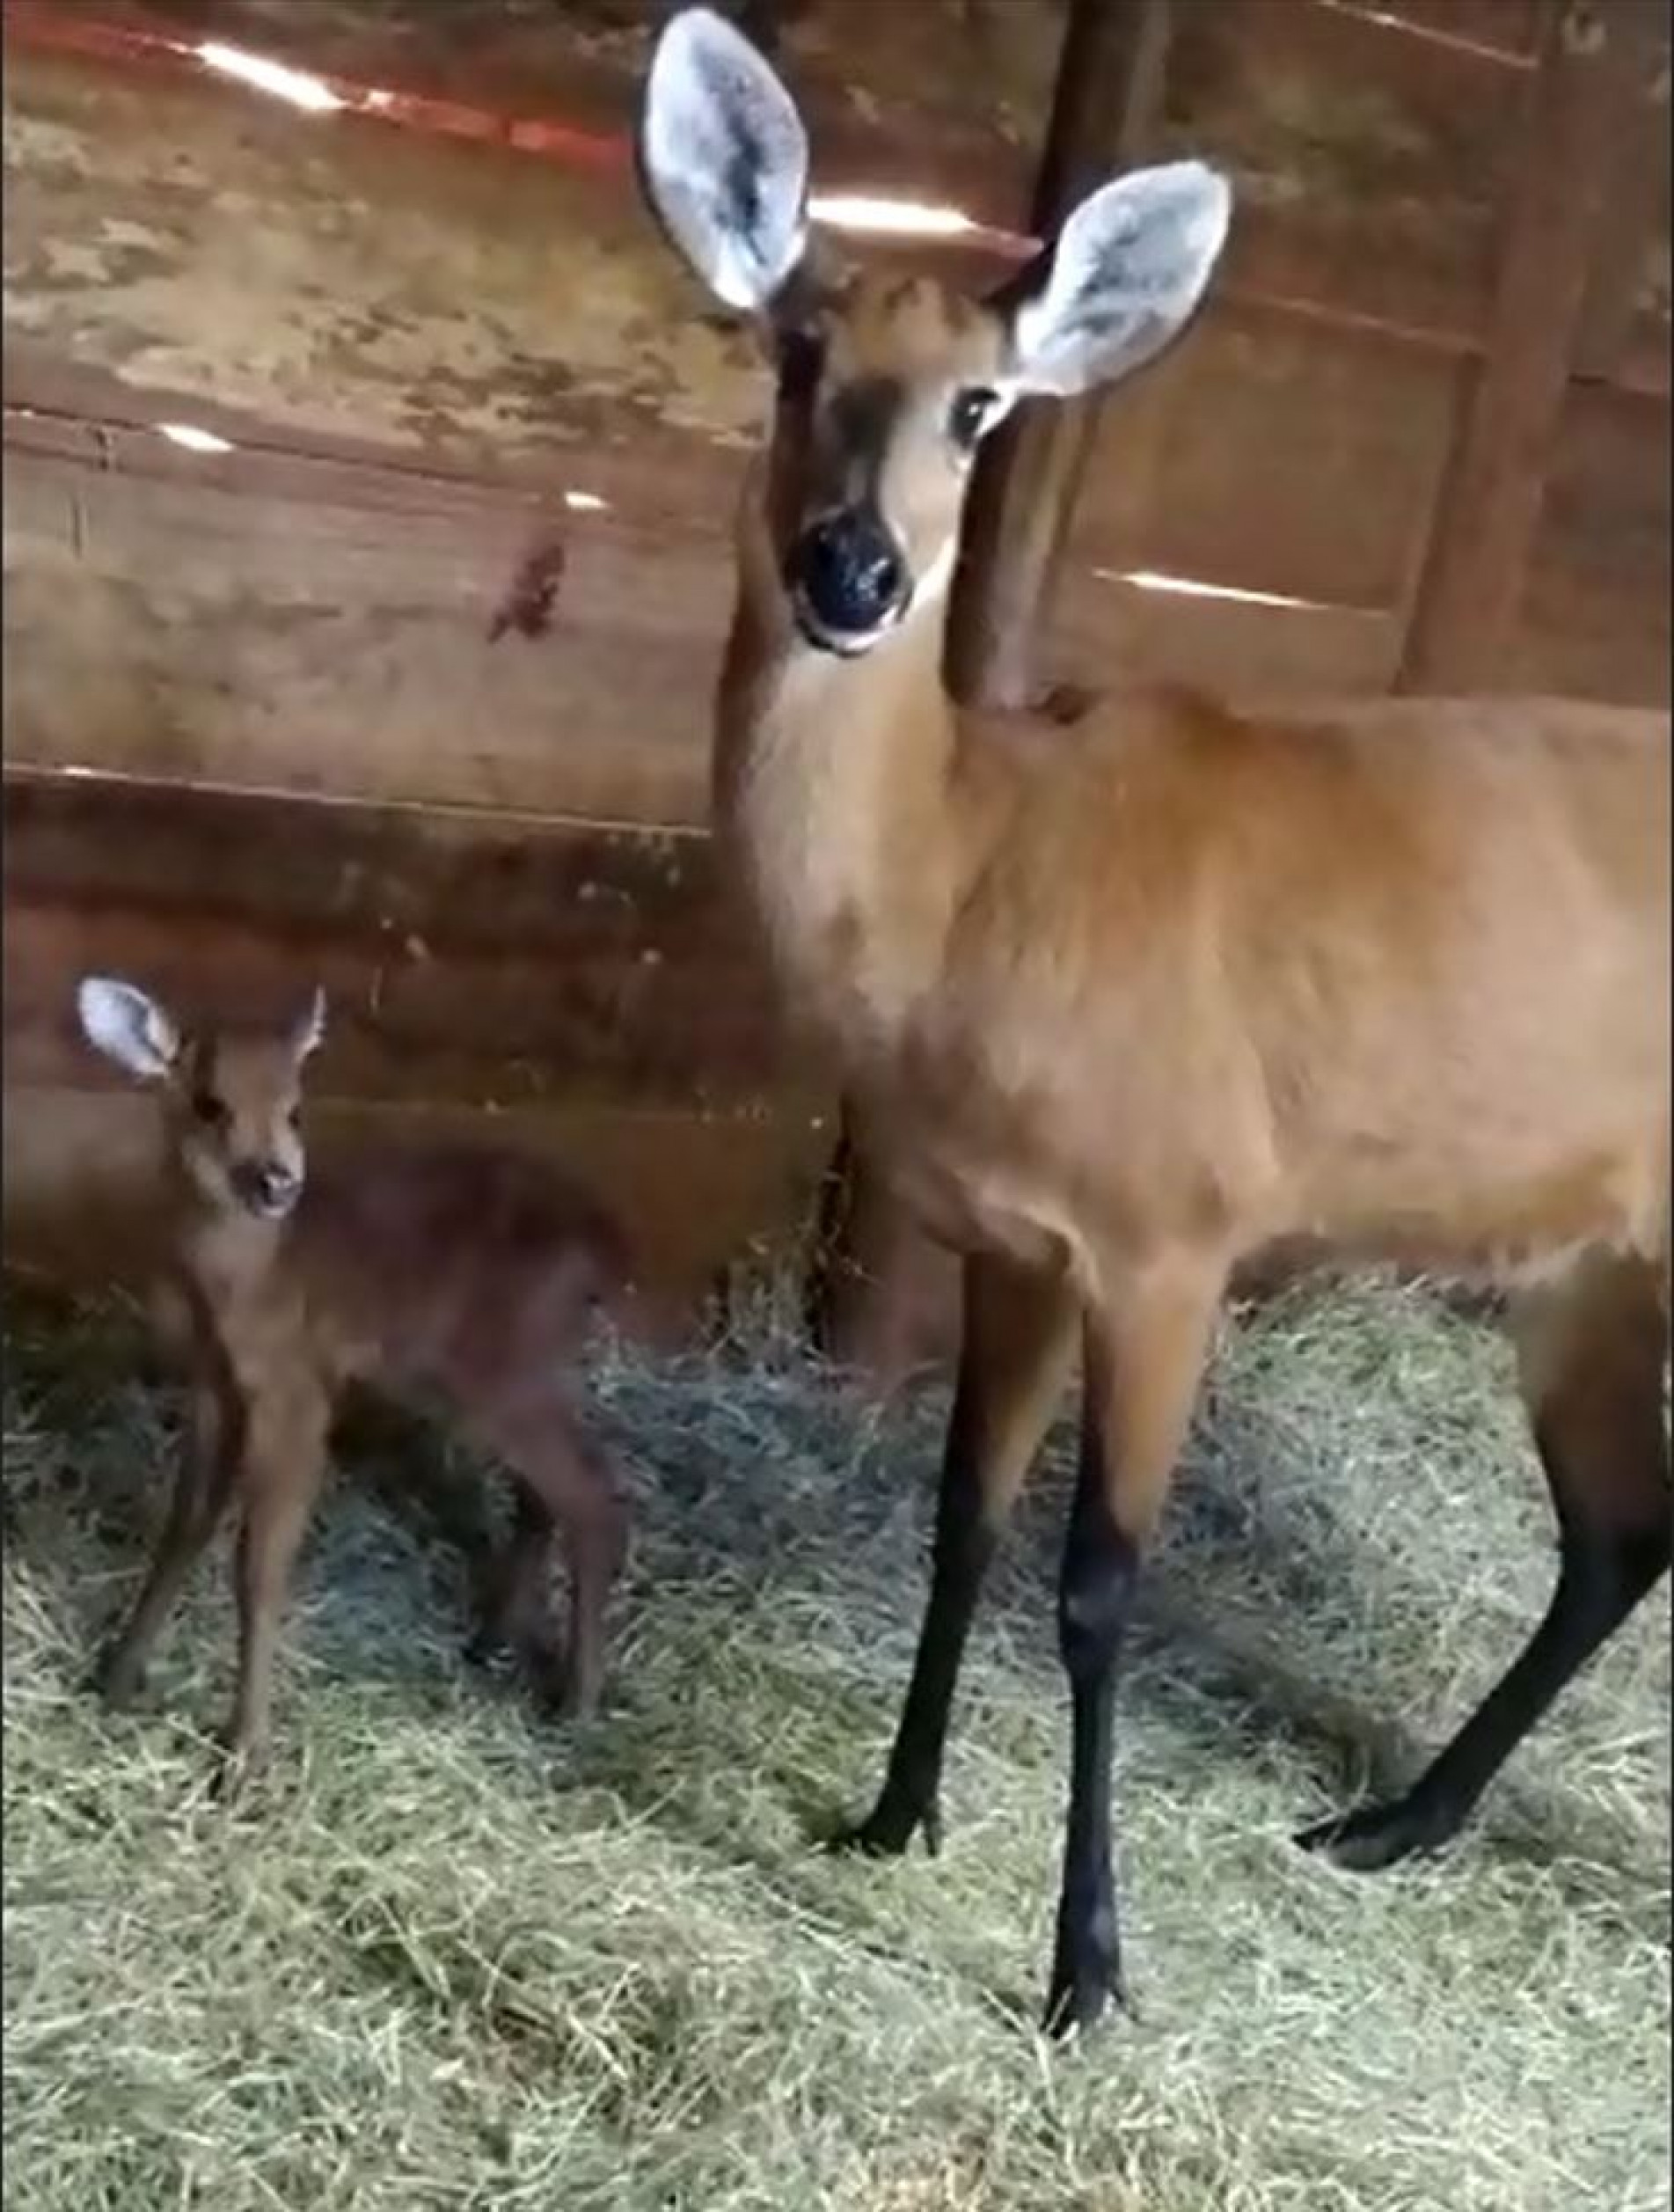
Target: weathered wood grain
(483,959)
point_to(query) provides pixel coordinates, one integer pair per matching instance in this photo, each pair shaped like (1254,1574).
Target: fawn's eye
(293,1119)
(209,1110)
(969,413)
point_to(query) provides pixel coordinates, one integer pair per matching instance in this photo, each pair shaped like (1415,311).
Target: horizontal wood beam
(569,989)
(484,960)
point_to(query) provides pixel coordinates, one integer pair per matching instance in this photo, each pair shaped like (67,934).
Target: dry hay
(454,1959)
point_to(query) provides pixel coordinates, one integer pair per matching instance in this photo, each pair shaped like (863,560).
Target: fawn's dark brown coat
(469,1274)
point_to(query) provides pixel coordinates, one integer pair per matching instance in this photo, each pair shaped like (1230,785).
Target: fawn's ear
(723,159)
(1123,276)
(128,1026)
(309,1032)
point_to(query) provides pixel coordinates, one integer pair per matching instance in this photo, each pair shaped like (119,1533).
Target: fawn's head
(888,385)
(233,1098)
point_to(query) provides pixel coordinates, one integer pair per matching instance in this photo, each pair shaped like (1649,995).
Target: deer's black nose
(267,1186)
(849,572)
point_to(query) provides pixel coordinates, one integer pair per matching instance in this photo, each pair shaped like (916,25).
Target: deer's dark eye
(209,1110)
(969,414)
(295,1118)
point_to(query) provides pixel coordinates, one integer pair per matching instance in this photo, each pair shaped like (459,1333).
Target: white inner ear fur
(126,1026)
(723,159)
(309,1033)
(1129,268)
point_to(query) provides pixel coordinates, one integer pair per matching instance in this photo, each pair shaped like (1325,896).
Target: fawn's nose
(849,573)
(267,1186)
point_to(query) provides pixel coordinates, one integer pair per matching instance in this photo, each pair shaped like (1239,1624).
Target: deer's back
(1396,972)
(452,1265)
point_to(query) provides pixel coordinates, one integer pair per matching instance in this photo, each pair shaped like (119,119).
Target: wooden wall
(264,714)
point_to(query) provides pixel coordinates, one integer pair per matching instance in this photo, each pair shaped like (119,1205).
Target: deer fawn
(467,1273)
(1123,1001)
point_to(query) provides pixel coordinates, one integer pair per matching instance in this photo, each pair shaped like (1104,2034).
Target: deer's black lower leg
(1019,1330)
(1095,1598)
(964,1545)
(1603,1575)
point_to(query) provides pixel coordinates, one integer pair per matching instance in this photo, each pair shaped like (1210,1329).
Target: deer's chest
(977,1155)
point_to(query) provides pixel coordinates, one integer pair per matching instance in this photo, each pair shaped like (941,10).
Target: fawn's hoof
(117,1681)
(489,1652)
(237,1767)
(559,1692)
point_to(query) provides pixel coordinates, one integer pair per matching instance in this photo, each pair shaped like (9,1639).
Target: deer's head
(233,1098)
(887,385)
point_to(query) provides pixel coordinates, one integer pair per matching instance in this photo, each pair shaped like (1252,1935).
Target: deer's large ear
(1123,278)
(128,1027)
(310,1031)
(723,159)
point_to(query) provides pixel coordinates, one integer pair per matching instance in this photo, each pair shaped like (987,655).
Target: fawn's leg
(202,1489)
(571,1479)
(516,1619)
(1018,1342)
(284,1463)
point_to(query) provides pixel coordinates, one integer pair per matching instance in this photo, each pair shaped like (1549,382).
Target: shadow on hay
(1231,1648)
(771,1486)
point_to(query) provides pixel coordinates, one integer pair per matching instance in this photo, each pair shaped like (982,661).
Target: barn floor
(450,1958)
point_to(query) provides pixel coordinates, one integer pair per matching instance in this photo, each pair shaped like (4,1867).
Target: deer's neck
(834,797)
(228,1255)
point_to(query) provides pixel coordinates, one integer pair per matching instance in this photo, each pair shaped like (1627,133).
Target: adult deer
(1129,999)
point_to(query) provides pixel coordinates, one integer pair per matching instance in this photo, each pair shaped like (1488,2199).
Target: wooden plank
(1106,625)
(480,960)
(410,1025)
(499,310)
(970,82)
(577,990)
(437,297)
(945,99)
(1272,456)
(1594,617)
(1467,597)
(1370,165)
(170,627)
(76,409)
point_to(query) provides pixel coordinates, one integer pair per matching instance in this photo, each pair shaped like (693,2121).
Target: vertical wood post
(885,1298)
(1105,109)
(1636,210)
(1470,591)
